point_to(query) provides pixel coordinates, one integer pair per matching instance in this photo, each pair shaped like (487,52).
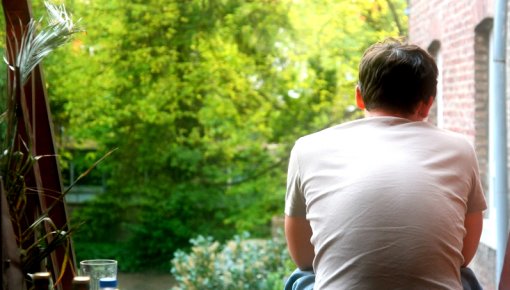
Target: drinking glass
(97,269)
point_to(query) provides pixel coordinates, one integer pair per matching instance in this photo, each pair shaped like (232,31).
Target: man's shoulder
(361,130)
(332,131)
(451,136)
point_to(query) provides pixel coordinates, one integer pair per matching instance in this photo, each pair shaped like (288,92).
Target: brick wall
(452,24)
(461,30)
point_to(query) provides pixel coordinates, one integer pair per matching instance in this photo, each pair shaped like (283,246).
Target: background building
(460,35)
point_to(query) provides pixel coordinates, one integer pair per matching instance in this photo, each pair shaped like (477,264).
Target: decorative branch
(395,17)
(35,45)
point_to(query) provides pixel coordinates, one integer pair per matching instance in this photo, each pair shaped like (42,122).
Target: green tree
(204,100)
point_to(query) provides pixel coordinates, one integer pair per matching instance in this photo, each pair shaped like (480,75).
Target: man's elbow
(302,256)
(304,264)
(298,233)
(473,225)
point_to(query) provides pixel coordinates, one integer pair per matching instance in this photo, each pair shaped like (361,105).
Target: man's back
(386,199)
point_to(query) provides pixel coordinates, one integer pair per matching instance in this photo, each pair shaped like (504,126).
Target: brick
(461,29)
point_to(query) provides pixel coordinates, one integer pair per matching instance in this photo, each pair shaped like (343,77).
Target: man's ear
(359,99)
(424,107)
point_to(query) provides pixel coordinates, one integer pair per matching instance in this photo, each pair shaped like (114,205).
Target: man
(388,201)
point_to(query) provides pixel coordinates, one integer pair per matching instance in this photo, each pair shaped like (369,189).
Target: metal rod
(499,131)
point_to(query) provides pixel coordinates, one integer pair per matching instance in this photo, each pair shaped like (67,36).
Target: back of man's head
(396,76)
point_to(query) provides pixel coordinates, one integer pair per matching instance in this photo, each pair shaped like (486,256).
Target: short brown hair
(396,76)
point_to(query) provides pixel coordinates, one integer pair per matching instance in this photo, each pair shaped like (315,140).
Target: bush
(240,263)
(150,227)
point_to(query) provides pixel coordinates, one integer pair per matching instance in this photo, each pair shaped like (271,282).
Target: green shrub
(150,227)
(240,263)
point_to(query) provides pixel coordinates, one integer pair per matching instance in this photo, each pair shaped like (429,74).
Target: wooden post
(12,276)
(45,175)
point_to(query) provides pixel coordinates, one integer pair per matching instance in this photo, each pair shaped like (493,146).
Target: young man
(388,201)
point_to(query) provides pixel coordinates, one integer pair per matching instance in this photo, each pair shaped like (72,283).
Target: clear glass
(97,269)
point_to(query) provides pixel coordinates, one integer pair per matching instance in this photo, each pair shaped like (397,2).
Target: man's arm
(298,233)
(473,224)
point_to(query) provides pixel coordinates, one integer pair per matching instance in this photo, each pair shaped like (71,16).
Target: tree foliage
(204,99)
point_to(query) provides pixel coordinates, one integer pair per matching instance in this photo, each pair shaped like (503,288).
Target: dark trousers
(304,280)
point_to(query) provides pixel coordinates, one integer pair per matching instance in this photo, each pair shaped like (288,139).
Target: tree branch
(395,17)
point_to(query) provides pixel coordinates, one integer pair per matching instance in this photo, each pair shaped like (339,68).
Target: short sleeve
(476,200)
(295,204)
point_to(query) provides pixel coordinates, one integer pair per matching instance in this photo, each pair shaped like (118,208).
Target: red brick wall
(458,27)
(452,23)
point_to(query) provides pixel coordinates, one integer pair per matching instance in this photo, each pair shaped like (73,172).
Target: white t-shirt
(386,199)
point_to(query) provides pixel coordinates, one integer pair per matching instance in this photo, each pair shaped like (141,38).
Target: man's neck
(385,113)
